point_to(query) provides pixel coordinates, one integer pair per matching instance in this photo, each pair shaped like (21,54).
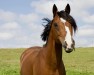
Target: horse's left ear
(67,9)
(54,10)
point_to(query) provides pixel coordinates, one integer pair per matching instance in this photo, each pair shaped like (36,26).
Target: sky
(21,21)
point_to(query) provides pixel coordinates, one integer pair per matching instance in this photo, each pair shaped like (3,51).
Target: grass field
(79,62)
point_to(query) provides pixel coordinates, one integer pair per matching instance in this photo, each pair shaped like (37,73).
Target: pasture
(79,62)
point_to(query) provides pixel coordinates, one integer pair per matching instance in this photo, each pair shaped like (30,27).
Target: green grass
(9,61)
(79,62)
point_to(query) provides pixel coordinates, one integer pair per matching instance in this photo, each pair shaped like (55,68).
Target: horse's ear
(54,10)
(67,9)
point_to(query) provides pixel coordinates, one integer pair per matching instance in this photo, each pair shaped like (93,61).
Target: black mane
(47,27)
(68,18)
(46,30)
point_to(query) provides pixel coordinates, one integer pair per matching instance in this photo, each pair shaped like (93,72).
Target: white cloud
(45,7)
(86,31)
(10,25)
(5,36)
(85,36)
(7,15)
(28,18)
(89,19)
(36,27)
(82,42)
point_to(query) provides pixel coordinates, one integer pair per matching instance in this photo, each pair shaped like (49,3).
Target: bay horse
(58,33)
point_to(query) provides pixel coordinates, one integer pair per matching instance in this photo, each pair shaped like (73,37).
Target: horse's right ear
(67,9)
(54,10)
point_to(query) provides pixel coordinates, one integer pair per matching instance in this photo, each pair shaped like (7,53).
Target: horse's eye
(55,24)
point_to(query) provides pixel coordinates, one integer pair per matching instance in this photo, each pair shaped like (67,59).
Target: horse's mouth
(68,50)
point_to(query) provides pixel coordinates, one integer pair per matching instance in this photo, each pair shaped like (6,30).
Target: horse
(58,34)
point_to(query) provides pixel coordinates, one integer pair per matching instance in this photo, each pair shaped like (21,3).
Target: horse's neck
(53,52)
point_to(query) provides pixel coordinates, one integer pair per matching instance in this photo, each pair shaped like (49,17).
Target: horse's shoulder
(32,51)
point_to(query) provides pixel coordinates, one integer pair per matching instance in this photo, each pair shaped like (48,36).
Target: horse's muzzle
(69,50)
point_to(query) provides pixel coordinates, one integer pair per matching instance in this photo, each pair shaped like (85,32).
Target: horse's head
(63,25)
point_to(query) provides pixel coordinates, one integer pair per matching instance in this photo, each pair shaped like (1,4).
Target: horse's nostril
(69,49)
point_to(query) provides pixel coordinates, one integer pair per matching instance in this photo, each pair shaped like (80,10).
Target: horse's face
(69,43)
(63,30)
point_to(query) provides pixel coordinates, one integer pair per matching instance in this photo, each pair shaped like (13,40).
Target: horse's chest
(42,69)
(45,72)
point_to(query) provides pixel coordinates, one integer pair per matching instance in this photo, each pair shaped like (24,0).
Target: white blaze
(68,37)
(63,20)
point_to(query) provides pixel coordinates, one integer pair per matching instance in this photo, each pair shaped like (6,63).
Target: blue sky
(18,6)
(21,21)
